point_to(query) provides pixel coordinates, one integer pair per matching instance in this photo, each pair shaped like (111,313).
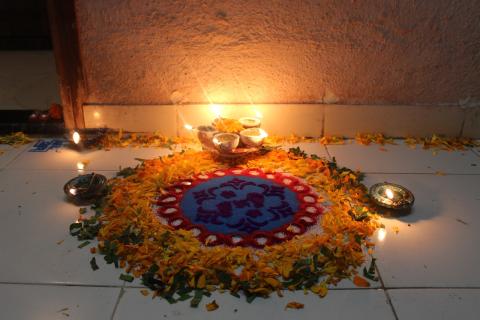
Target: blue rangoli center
(239,204)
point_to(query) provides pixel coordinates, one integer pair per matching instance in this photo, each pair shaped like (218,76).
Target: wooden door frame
(66,48)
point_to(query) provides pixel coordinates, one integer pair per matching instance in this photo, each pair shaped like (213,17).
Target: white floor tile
(402,159)
(477,151)
(338,304)
(33,302)
(35,245)
(437,244)
(9,153)
(438,304)
(67,159)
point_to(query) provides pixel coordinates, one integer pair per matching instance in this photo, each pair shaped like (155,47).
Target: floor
(428,261)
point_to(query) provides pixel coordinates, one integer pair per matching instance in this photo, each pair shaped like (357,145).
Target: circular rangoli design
(240,207)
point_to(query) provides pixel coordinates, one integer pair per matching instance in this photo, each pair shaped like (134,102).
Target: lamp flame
(258,114)
(73,191)
(76,137)
(389,193)
(188,127)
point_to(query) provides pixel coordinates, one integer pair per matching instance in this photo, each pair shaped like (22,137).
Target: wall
(27,80)
(332,51)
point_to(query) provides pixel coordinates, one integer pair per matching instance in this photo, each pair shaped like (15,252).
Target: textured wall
(27,80)
(271,51)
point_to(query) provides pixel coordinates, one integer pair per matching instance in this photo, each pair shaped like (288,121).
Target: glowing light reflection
(216,109)
(389,193)
(80,166)
(381,235)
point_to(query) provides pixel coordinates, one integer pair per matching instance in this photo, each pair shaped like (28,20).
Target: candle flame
(188,127)
(73,191)
(389,193)
(382,233)
(258,114)
(76,137)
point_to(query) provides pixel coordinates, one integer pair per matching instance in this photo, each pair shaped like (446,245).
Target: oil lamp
(392,196)
(250,122)
(253,137)
(205,135)
(86,188)
(226,142)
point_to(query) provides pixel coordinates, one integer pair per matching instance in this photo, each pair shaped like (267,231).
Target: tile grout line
(365,172)
(117,303)
(143,287)
(475,152)
(328,152)
(16,157)
(433,288)
(424,173)
(387,294)
(59,284)
(464,119)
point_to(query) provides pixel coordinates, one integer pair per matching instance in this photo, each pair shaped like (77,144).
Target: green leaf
(83,244)
(184,297)
(74,226)
(197,298)
(126,277)
(358,239)
(126,172)
(250,298)
(93,264)
(82,210)
(170,299)
(224,278)
(149,280)
(297,152)
(371,272)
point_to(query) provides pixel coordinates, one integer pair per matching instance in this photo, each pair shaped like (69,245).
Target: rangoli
(188,224)
(240,207)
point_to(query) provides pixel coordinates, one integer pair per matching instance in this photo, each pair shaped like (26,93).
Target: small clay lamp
(253,137)
(250,122)
(85,189)
(205,134)
(393,198)
(226,142)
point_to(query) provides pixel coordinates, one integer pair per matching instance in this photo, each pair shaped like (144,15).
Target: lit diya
(205,134)
(392,196)
(250,122)
(253,137)
(86,188)
(226,142)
